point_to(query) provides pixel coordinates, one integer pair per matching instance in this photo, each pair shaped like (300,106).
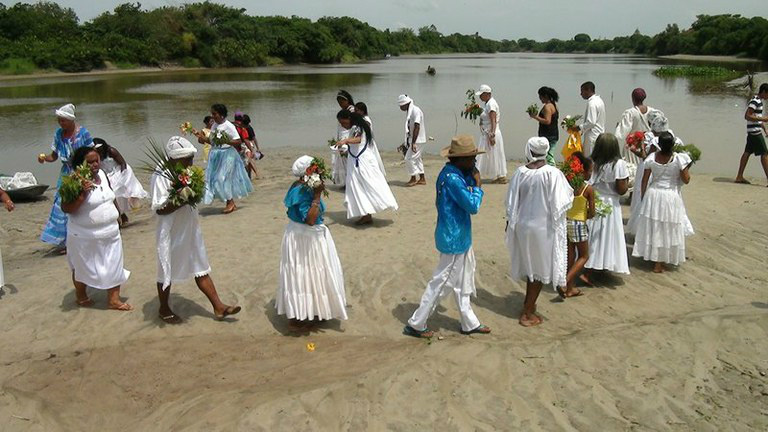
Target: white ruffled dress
(367,190)
(607,246)
(128,190)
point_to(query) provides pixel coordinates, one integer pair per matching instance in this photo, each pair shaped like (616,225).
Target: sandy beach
(682,351)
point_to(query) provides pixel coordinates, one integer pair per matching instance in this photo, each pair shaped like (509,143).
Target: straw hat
(461,145)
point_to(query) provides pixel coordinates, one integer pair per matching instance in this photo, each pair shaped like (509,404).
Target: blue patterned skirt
(55,231)
(225,176)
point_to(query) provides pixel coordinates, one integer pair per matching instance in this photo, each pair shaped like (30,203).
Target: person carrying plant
(579,169)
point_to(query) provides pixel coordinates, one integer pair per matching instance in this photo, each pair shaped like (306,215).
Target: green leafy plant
(72,184)
(187,183)
(693,151)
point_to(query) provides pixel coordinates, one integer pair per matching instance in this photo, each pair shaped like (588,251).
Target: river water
(295,105)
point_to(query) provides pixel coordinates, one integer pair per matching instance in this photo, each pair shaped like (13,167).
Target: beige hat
(461,145)
(485,88)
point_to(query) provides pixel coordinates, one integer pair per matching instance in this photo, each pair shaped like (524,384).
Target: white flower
(186,194)
(314,181)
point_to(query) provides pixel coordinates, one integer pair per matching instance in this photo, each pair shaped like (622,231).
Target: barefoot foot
(530,320)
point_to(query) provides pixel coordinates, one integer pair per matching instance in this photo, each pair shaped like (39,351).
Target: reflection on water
(295,105)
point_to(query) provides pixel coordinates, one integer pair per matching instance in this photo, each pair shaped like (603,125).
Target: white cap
(485,88)
(403,99)
(299,167)
(66,112)
(179,148)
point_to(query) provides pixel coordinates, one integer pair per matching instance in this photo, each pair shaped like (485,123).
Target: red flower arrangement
(574,171)
(635,140)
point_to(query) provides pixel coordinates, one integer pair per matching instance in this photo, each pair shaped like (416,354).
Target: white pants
(413,162)
(454,273)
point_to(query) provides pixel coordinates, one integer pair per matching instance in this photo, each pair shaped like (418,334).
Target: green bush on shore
(17,66)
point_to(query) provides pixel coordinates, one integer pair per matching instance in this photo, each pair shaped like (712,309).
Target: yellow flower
(310,347)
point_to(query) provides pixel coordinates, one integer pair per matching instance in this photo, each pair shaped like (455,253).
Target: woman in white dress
(607,247)
(663,222)
(634,119)
(6,200)
(181,252)
(537,201)
(94,245)
(367,191)
(362,109)
(339,154)
(493,163)
(311,279)
(128,190)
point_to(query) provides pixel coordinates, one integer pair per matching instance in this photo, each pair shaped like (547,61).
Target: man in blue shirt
(458,197)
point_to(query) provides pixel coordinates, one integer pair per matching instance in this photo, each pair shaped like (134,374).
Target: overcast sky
(497,19)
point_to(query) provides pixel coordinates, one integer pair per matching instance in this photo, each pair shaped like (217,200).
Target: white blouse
(97,216)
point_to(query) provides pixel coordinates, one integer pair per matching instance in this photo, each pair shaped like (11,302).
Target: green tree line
(45,35)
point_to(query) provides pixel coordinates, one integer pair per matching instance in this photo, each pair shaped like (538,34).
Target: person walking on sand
(581,211)
(755,130)
(548,120)
(181,252)
(459,195)
(537,201)
(594,116)
(415,140)
(339,154)
(493,163)
(8,204)
(635,119)
(128,190)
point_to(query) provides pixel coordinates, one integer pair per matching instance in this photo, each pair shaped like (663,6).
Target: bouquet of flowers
(569,122)
(602,209)
(690,149)
(72,184)
(187,184)
(187,129)
(574,172)
(471,109)
(219,138)
(635,141)
(315,174)
(532,109)
(332,142)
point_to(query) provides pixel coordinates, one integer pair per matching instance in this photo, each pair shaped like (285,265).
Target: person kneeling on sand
(459,196)
(180,249)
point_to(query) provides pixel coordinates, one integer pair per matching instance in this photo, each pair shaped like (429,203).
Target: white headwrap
(66,112)
(179,148)
(659,123)
(536,146)
(301,164)
(403,99)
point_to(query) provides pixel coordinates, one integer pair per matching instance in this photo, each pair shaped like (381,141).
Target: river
(295,105)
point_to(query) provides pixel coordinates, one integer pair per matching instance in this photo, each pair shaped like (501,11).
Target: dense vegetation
(696,71)
(45,35)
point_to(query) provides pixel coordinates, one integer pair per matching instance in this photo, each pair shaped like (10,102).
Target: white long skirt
(97,262)
(662,227)
(607,246)
(493,163)
(367,190)
(181,253)
(634,208)
(128,190)
(311,279)
(338,168)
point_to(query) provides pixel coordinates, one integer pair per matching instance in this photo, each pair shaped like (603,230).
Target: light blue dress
(225,175)
(55,231)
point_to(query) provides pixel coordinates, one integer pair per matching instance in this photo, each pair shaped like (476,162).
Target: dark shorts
(756,145)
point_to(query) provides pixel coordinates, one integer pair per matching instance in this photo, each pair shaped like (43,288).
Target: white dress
(663,222)
(537,202)
(338,159)
(181,252)
(126,186)
(94,245)
(493,163)
(632,120)
(375,148)
(367,191)
(413,159)
(607,246)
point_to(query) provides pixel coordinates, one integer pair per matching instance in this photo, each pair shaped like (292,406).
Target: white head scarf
(179,148)
(403,99)
(66,112)
(659,123)
(536,146)
(301,164)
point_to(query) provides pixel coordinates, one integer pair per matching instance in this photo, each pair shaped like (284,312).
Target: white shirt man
(415,139)
(594,117)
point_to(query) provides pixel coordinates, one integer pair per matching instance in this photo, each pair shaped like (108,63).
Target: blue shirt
(298,200)
(65,148)
(458,197)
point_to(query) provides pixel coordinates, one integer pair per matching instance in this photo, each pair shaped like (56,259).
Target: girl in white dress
(181,253)
(493,163)
(663,221)
(362,109)
(537,201)
(607,247)
(311,279)
(367,191)
(339,154)
(6,200)
(94,245)
(128,190)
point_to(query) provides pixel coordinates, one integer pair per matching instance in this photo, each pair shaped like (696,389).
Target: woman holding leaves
(548,120)
(311,279)
(95,248)
(69,137)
